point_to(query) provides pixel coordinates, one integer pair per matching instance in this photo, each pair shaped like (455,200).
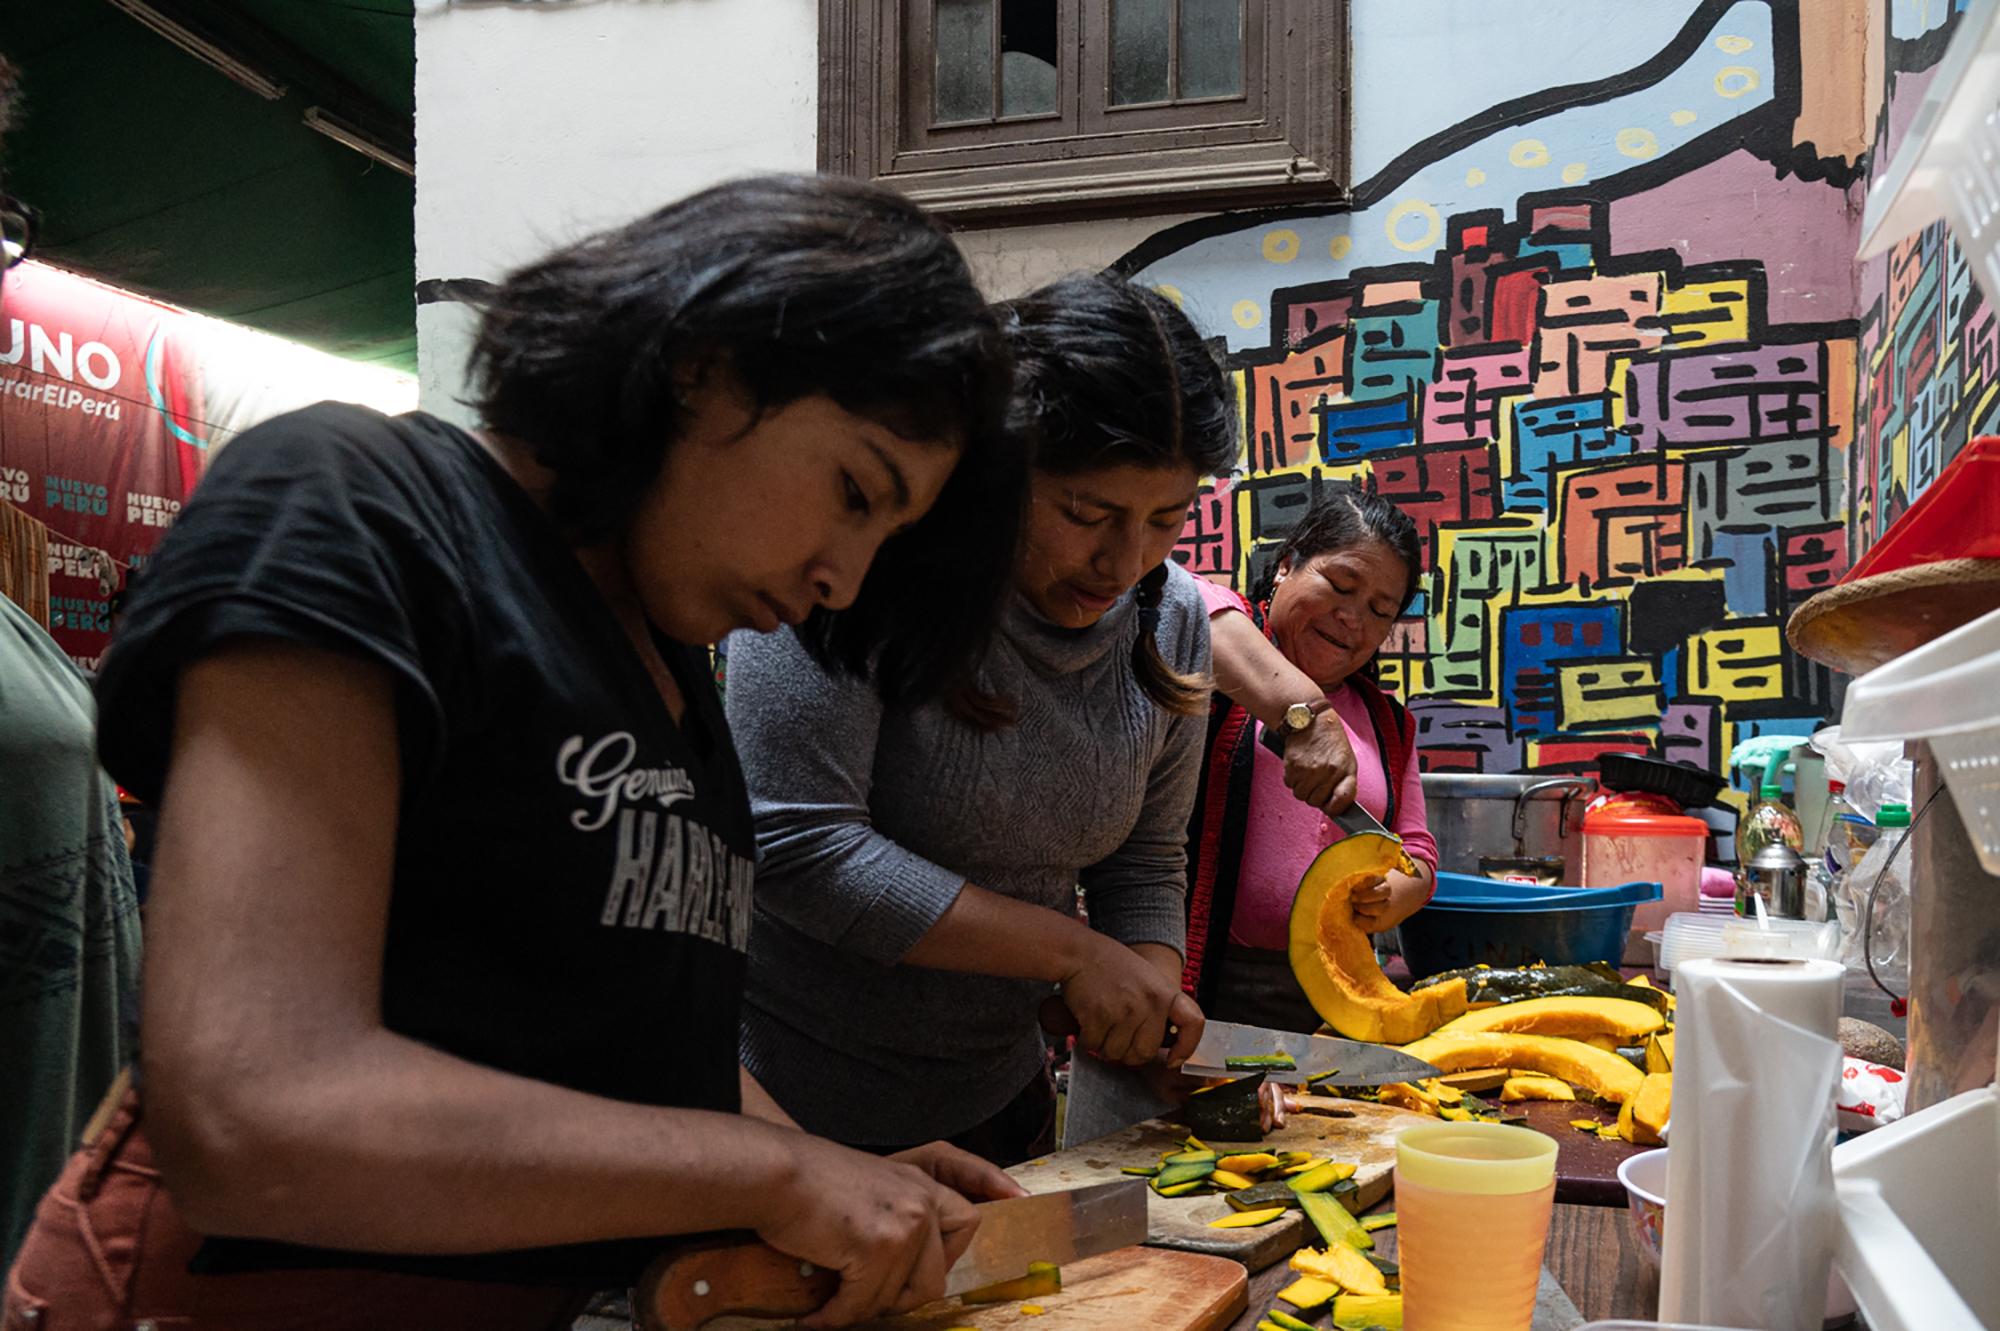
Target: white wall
(540,123)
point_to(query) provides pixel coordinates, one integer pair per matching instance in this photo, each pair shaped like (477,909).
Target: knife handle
(688,1286)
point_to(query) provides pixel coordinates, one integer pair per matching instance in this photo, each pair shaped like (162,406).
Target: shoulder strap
(1216,828)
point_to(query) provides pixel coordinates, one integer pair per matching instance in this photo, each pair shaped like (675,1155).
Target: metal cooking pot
(1475,814)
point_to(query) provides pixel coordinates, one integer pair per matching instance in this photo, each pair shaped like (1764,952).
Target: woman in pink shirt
(1294,668)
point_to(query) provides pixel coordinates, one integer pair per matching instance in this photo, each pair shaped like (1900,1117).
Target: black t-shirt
(571,899)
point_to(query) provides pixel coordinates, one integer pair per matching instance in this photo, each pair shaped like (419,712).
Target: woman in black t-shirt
(451,899)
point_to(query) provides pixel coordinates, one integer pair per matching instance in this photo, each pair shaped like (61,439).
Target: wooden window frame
(1287,144)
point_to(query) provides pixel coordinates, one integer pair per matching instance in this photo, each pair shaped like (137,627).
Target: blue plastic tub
(1475,920)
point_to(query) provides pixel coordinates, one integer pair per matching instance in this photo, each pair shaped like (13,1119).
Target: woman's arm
(282,1108)
(1403,895)
(1386,904)
(808,743)
(1256,676)
(961,1171)
(758,1102)
(1123,1000)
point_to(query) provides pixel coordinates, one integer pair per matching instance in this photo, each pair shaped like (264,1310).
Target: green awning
(156,172)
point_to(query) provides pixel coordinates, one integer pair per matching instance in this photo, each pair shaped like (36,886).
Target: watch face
(1298,716)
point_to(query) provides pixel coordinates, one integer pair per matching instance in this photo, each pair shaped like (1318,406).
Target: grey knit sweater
(870,820)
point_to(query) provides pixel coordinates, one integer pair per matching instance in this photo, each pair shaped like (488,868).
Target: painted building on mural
(1929,349)
(1591,317)
(1613,387)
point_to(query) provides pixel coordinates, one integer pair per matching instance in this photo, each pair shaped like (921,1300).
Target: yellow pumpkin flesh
(1573,1061)
(1334,961)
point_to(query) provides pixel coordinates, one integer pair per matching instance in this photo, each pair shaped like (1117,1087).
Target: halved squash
(1573,1061)
(1334,961)
(1578,1017)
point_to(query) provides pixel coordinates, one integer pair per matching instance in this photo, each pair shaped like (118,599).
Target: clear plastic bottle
(1769,820)
(1819,855)
(1889,941)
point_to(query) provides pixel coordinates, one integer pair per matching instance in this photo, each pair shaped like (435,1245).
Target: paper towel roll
(1750,1209)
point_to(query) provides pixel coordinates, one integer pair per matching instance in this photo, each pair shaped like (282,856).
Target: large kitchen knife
(1354,818)
(1350,1062)
(691,1285)
(1105,1098)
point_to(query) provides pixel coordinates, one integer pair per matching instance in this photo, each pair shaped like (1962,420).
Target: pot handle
(1573,785)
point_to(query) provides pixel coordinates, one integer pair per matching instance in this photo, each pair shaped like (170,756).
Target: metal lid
(1777,857)
(1503,786)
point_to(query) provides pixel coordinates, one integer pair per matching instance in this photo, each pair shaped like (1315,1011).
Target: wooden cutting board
(1368,1140)
(1133,1289)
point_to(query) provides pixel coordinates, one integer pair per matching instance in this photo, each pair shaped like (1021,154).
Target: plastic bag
(1869,1096)
(1875,771)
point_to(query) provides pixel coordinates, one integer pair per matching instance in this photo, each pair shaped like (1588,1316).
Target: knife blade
(693,1284)
(1105,1097)
(1353,1062)
(1354,819)
(1059,1227)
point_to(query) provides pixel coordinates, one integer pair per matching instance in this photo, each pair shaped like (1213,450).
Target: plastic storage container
(1917,1202)
(1948,694)
(1625,846)
(1473,920)
(1689,935)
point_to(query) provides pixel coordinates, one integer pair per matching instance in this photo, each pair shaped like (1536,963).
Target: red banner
(100,432)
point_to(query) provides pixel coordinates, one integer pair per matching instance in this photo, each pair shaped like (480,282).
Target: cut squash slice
(1660,1052)
(1248,1219)
(1578,1016)
(1651,1107)
(1255,1163)
(1309,1293)
(1335,1223)
(1334,961)
(1364,1312)
(1603,1074)
(1356,1274)
(1535,1086)
(1043,1279)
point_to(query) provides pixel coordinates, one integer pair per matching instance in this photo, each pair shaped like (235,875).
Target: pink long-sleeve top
(1285,834)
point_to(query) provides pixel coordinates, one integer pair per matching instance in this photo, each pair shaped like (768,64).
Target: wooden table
(1591,1253)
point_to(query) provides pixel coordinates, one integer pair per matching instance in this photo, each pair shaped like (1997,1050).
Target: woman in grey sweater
(917,882)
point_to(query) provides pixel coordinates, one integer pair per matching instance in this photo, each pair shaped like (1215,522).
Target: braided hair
(1109,374)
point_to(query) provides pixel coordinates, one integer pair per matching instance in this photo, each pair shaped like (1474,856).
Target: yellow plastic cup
(1473,1202)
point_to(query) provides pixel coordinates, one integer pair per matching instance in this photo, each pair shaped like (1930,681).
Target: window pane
(1027,57)
(964,60)
(1139,51)
(1211,48)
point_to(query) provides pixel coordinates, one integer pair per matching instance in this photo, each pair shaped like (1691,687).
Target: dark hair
(10,87)
(1346,515)
(1107,374)
(794,286)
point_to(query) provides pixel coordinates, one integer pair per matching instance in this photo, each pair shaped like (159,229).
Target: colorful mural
(1929,347)
(1599,341)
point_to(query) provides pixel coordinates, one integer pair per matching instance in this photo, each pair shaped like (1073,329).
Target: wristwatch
(1299,716)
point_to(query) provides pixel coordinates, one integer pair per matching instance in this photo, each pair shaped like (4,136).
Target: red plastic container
(1623,845)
